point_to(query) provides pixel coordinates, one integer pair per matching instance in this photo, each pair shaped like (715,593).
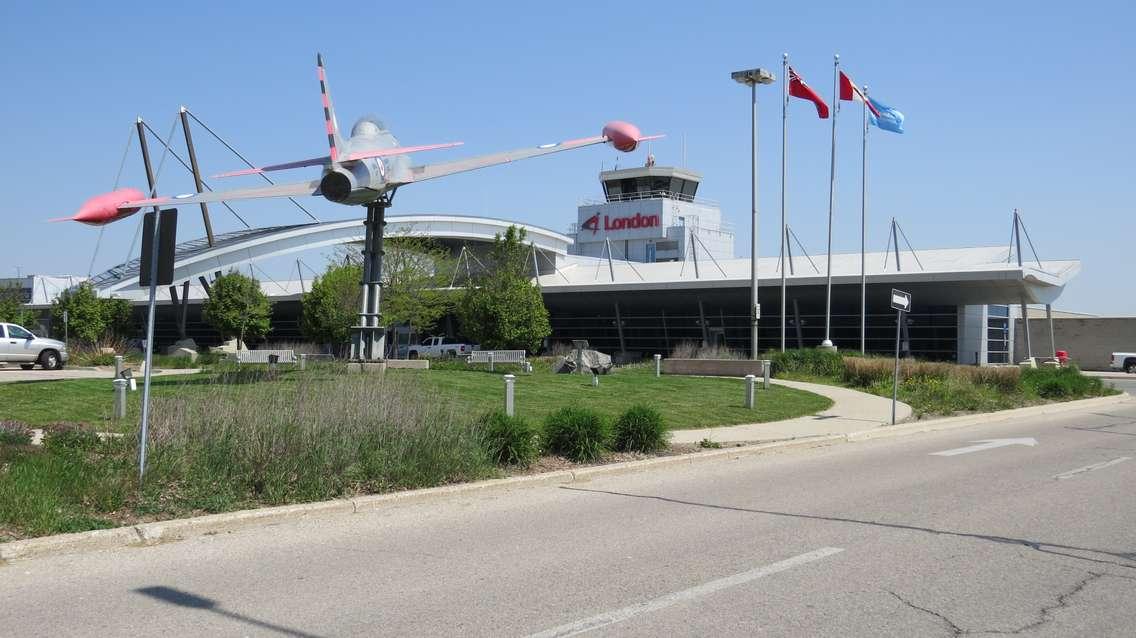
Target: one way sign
(900,300)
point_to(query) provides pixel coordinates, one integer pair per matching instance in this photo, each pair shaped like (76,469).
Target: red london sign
(638,220)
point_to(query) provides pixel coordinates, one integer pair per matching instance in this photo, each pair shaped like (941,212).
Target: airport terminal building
(649,266)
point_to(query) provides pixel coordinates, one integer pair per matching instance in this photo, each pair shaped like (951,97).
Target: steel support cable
(804,252)
(117,179)
(188,168)
(909,246)
(154,190)
(248,163)
(1022,223)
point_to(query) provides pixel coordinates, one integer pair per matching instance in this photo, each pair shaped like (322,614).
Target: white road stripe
(619,615)
(1090,468)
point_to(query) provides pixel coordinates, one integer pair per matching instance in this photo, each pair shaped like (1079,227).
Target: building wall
(1089,341)
(671,237)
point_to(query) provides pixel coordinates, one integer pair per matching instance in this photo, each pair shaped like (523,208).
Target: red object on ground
(1062,357)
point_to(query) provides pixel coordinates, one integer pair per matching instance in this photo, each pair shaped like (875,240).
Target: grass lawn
(685,402)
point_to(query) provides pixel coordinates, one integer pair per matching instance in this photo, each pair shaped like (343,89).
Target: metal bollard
(766,364)
(658,364)
(303,361)
(491,362)
(510,380)
(120,398)
(749,391)
(117,366)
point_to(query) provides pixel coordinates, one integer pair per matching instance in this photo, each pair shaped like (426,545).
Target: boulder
(229,347)
(182,348)
(188,353)
(593,360)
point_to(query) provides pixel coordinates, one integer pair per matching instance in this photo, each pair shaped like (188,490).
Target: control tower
(651,214)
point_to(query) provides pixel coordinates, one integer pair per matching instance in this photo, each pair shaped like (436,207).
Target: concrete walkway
(851,411)
(13,373)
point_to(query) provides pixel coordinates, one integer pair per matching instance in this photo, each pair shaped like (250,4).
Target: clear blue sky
(1008,104)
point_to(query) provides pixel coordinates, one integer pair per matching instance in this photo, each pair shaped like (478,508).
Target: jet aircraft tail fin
(334,141)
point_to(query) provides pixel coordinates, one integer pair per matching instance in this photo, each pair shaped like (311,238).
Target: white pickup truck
(1123,361)
(437,347)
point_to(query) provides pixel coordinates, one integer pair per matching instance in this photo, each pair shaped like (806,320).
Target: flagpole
(784,172)
(864,232)
(827,343)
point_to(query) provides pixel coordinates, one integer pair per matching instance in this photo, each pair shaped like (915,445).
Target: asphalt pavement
(1025,526)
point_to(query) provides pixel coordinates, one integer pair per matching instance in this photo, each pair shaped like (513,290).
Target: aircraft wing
(275,190)
(430,171)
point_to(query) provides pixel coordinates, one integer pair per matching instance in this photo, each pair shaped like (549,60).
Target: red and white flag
(849,92)
(798,88)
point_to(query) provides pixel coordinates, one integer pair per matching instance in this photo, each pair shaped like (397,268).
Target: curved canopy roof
(196,258)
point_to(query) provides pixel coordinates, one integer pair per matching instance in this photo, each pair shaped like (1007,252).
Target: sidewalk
(13,373)
(851,411)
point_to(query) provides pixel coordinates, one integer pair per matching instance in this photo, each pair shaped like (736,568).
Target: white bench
(497,356)
(261,356)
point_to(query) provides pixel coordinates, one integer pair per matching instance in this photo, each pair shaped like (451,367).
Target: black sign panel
(167,241)
(900,300)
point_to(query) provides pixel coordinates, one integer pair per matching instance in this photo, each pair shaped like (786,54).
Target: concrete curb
(147,534)
(951,423)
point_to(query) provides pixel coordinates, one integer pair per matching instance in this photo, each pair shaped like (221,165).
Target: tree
(89,318)
(12,309)
(237,307)
(415,277)
(416,274)
(330,308)
(505,309)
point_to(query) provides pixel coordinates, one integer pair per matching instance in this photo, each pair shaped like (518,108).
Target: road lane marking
(662,602)
(986,444)
(1090,468)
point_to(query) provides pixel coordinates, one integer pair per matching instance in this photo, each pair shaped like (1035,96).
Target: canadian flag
(849,92)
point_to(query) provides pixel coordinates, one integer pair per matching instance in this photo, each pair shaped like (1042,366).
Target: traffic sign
(900,300)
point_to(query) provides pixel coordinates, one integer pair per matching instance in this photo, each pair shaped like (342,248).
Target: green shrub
(510,440)
(577,433)
(67,438)
(14,433)
(811,362)
(1061,383)
(640,429)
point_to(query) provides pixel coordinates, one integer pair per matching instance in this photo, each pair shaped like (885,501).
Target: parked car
(1123,361)
(434,347)
(20,345)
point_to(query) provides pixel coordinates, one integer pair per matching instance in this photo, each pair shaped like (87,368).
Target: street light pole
(751,78)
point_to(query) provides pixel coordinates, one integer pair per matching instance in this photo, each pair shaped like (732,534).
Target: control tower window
(689,188)
(660,184)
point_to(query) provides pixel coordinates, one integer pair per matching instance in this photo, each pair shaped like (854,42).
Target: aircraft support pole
(369,339)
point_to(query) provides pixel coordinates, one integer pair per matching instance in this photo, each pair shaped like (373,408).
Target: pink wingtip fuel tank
(623,135)
(104,209)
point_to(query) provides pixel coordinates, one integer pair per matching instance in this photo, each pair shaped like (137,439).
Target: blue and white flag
(888,119)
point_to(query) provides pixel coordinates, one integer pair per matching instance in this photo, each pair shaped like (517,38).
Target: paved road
(882,538)
(1125,384)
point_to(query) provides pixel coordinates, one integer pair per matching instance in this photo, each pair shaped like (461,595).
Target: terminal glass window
(998,334)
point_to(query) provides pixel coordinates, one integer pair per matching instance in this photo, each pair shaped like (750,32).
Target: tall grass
(316,437)
(864,372)
(694,350)
(248,438)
